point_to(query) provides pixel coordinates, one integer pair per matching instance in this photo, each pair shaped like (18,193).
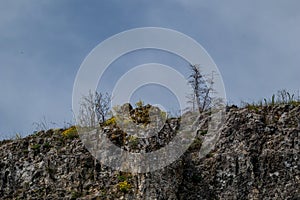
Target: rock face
(256,157)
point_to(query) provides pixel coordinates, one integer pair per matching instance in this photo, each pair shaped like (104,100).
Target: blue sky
(254,43)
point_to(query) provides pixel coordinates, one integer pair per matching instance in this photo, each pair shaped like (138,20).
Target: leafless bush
(94,109)
(43,124)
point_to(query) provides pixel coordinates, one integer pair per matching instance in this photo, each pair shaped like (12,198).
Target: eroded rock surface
(256,157)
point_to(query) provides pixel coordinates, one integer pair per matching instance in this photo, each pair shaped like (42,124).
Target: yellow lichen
(70,133)
(124,186)
(110,122)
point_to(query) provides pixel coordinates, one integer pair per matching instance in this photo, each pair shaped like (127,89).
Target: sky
(255,45)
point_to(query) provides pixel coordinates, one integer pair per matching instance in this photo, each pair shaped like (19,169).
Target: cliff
(256,157)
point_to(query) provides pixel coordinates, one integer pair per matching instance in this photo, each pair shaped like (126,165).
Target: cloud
(42,43)
(256,40)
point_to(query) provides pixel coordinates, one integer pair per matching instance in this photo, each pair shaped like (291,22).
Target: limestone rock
(256,157)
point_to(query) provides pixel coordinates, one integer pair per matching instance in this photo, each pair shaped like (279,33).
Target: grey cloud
(42,43)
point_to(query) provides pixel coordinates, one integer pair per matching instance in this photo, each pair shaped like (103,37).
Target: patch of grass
(18,136)
(282,97)
(122,178)
(252,107)
(295,103)
(25,151)
(35,146)
(75,195)
(47,145)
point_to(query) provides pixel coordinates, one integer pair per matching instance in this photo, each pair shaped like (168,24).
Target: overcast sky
(254,43)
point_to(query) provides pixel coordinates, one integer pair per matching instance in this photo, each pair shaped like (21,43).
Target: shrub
(163,115)
(70,133)
(140,114)
(209,155)
(196,178)
(139,104)
(133,141)
(203,132)
(196,144)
